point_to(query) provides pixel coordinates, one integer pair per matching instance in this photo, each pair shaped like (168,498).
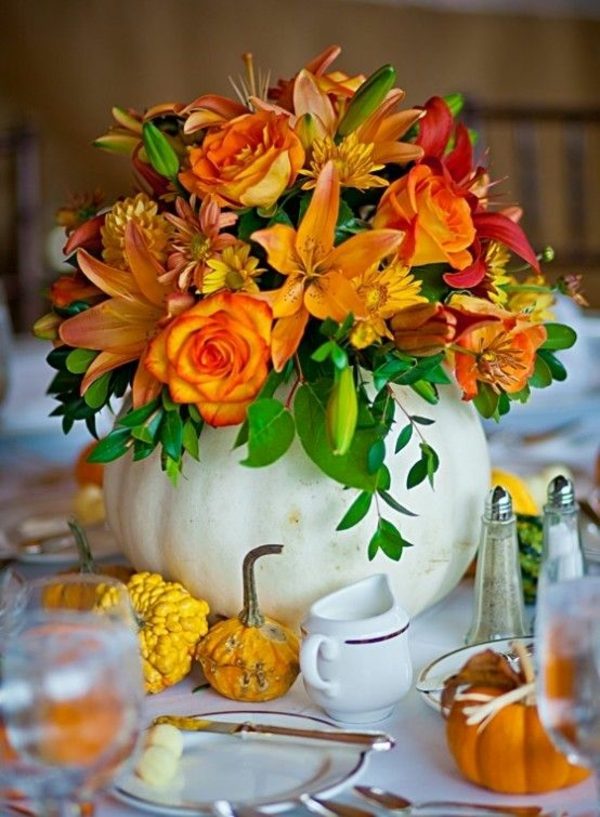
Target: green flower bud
(367,99)
(342,411)
(160,152)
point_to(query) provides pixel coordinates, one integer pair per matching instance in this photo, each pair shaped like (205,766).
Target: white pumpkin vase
(198,532)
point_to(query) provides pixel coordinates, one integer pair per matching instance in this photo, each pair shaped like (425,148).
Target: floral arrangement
(282,260)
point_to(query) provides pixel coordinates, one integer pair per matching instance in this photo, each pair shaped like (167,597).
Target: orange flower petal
(144,267)
(110,280)
(317,231)
(114,325)
(333,296)
(286,337)
(280,243)
(360,252)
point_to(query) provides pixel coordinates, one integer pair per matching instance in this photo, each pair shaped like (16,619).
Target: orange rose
(215,355)
(248,161)
(436,220)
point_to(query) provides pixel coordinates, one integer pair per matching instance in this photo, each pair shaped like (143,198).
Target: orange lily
(318,275)
(121,326)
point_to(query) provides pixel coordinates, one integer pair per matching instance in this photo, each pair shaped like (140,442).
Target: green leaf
(426,390)
(422,421)
(438,375)
(388,538)
(559,336)
(168,404)
(138,416)
(97,394)
(171,435)
(417,474)
(160,151)
(248,223)
(348,469)
(190,439)
(486,400)
(142,450)
(556,367)
(431,460)
(270,432)
(403,438)
(357,511)
(194,413)
(389,500)
(78,360)
(376,456)
(322,352)
(113,446)
(542,376)
(147,432)
(173,469)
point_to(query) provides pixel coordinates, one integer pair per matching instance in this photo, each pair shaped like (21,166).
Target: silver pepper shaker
(562,554)
(498,607)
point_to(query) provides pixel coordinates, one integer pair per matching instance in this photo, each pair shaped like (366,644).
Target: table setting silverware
(375,741)
(395,802)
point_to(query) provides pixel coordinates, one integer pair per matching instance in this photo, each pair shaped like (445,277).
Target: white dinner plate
(434,674)
(270,775)
(48,512)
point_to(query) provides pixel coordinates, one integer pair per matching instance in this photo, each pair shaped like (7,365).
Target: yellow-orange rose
(247,162)
(437,221)
(216,355)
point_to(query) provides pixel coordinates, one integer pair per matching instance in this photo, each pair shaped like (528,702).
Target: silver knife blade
(375,741)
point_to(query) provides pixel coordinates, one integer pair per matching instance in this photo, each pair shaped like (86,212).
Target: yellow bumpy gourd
(171,622)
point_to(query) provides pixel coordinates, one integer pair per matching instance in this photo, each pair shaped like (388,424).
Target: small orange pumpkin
(251,657)
(509,751)
(79,595)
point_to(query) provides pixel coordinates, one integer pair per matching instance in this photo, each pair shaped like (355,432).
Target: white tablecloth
(419,766)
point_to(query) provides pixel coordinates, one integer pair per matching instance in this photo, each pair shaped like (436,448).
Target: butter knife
(366,741)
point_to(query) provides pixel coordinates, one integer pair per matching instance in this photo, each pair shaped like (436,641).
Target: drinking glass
(568,654)
(81,592)
(71,690)
(70,702)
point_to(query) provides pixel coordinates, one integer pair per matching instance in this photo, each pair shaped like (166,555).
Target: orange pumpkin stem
(251,615)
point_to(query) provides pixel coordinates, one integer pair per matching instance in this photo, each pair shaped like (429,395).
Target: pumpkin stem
(86,560)
(251,616)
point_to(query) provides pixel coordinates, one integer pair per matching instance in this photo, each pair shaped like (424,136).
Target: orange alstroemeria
(500,354)
(121,326)
(318,275)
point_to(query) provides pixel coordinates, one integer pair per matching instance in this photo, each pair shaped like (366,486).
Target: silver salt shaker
(498,607)
(562,554)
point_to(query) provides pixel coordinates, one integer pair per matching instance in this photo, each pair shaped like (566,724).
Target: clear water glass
(71,695)
(568,655)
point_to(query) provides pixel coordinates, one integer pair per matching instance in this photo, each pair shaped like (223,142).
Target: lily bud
(46,327)
(306,131)
(342,411)
(160,152)
(367,99)
(122,143)
(127,120)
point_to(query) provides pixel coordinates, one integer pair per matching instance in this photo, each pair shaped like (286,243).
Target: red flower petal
(499,227)
(436,127)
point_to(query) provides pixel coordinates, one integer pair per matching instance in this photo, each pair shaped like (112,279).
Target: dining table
(36,460)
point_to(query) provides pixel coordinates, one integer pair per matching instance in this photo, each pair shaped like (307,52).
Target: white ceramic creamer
(354,655)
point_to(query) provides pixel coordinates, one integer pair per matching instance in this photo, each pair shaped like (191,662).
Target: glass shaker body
(562,554)
(498,605)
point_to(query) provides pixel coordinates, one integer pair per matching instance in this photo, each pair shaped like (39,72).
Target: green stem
(86,560)
(251,616)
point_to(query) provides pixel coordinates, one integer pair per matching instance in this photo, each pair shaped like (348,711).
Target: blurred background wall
(65,63)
